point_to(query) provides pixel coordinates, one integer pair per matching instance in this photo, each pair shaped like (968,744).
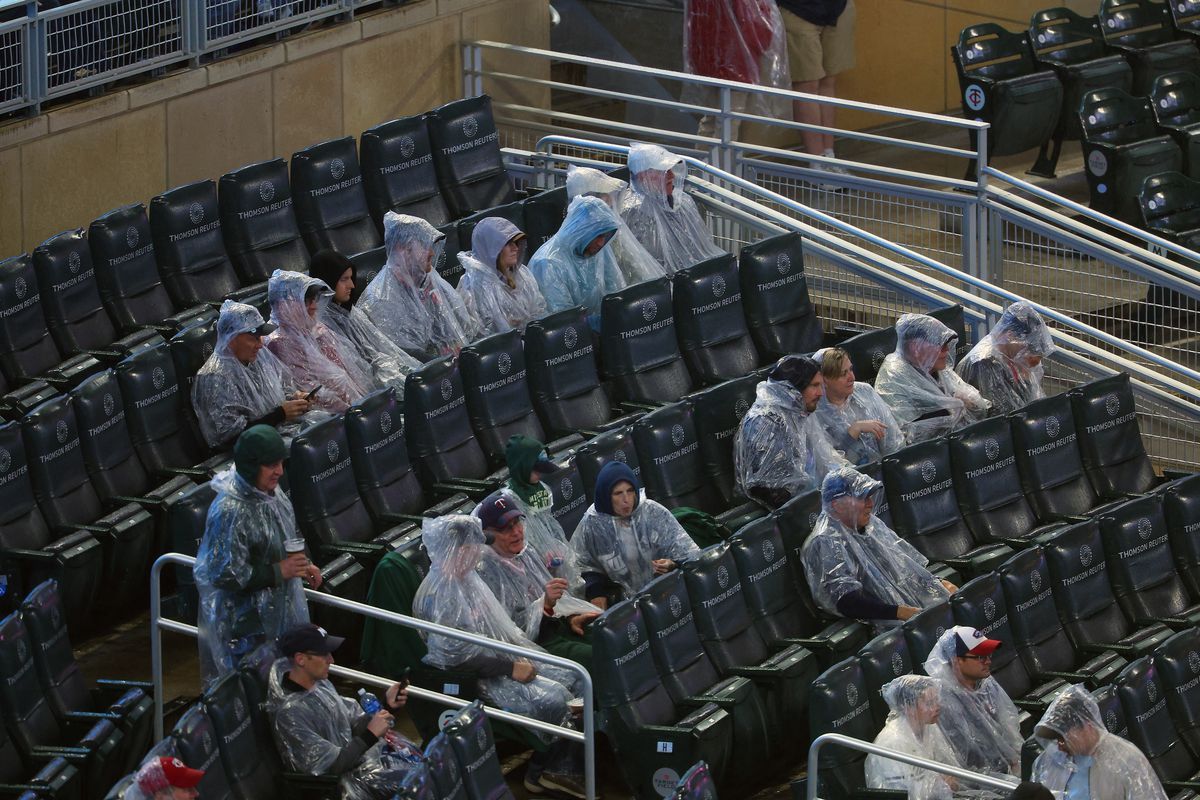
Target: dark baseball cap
(498,511)
(308,638)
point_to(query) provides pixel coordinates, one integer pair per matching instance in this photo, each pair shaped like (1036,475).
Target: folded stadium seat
(1002,84)
(1038,636)
(1143,32)
(187,515)
(988,486)
(1177,662)
(1185,15)
(448,265)
(874,471)
(1110,441)
(1181,507)
(466,155)
(1073,47)
(185,225)
(1170,206)
(649,732)
(398,172)
(882,660)
(1175,99)
(1141,567)
(367,265)
(417,784)
(1084,597)
(795,520)
(514,212)
(443,768)
(127,273)
(196,741)
(717,413)
(254,669)
(544,213)
(470,737)
(331,204)
(955,318)
(921,495)
(50,777)
(592,455)
(779,313)
(448,458)
(1111,711)
(922,631)
(570,500)
(347,577)
(329,512)
(258,223)
(1151,728)
(710,324)
(840,704)
(638,350)
(1122,147)
(867,351)
(245,767)
(190,348)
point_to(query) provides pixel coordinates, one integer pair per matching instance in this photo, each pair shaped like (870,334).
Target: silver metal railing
(587,737)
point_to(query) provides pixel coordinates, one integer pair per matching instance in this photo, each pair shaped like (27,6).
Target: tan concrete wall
(63,168)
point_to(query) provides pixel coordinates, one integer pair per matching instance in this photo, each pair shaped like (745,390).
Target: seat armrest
(1075,677)
(1116,647)
(187,472)
(392,518)
(634,407)
(91,717)
(120,499)
(44,753)
(1029,705)
(120,687)
(19,554)
(564,443)
(447,505)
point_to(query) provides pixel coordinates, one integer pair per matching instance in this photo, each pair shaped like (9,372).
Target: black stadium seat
(717,413)
(709,322)
(398,172)
(1175,99)
(1177,662)
(226,705)
(367,265)
(1170,206)
(187,515)
(1143,698)
(258,223)
(669,453)
(1110,441)
(444,769)
(779,313)
(185,224)
(840,705)
(196,741)
(497,392)
(471,737)
(638,349)
(191,347)
(592,455)
(544,213)
(882,660)
(466,155)
(1142,31)
(570,500)
(867,351)
(27,350)
(448,265)
(331,205)
(1181,507)
(514,212)
(922,631)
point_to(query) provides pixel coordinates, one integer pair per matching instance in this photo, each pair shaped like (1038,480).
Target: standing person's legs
(817,55)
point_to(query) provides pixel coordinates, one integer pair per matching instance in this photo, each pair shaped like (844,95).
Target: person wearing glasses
(977,715)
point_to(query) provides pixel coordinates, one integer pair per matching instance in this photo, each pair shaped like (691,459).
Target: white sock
(829,153)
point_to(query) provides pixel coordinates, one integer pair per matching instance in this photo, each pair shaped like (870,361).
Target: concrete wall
(63,168)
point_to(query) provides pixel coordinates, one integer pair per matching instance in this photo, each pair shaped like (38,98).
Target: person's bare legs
(827,87)
(816,142)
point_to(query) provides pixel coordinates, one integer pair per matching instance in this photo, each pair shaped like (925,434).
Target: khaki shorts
(816,51)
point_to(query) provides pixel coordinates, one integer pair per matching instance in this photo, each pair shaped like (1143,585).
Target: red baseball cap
(165,772)
(969,641)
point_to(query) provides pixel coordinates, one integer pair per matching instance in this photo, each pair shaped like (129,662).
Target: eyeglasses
(988,657)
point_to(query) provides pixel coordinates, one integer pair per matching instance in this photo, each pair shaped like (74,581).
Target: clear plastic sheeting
(637,265)
(662,216)
(919,384)
(1109,767)
(980,723)
(500,298)
(864,403)
(911,728)
(408,300)
(240,607)
(1006,365)
(568,273)
(388,363)
(737,40)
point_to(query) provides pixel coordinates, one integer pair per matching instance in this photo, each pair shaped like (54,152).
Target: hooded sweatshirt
(568,277)
(499,300)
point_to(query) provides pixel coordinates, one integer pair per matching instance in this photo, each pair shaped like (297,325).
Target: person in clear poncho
(164,778)
(1081,760)
(856,566)
(635,263)
(662,216)
(1006,365)
(576,267)
(250,588)
(625,538)
(977,717)
(911,728)
(240,385)
(408,300)
(388,363)
(497,288)
(854,417)
(779,450)
(918,381)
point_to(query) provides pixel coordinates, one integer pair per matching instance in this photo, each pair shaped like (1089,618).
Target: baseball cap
(308,638)
(969,641)
(164,772)
(498,511)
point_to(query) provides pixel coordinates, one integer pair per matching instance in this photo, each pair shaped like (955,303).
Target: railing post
(156,667)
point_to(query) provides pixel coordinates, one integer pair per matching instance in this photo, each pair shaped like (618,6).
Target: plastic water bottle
(553,563)
(369,702)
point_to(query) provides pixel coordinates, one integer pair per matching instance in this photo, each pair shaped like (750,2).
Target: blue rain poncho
(568,276)
(637,265)
(1006,365)
(863,403)
(911,699)
(662,216)
(499,299)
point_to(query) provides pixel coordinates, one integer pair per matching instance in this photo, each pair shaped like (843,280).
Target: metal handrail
(587,737)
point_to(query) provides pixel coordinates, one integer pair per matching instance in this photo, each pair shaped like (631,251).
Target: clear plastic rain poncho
(453,594)
(840,559)
(636,264)
(309,349)
(1103,767)
(863,403)
(736,40)
(388,363)
(408,300)
(912,728)
(980,724)
(662,216)
(926,405)
(245,531)
(570,277)
(500,299)
(311,728)
(1006,365)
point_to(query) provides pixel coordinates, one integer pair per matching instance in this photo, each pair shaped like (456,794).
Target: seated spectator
(538,602)
(308,348)
(625,538)
(978,718)
(240,386)
(453,594)
(856,566)
(576,267)
(164,778)
(1081,759)
(389,364)
(780,451)
(912,728)
(853,415)
(1006,365)
(662,216)
(497,288)
(920,385)
(636,264)
(250,587)
(408,300)
(319,732)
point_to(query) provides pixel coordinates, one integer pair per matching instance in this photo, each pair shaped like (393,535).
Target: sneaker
(569,785)
(533,784)
(836,169)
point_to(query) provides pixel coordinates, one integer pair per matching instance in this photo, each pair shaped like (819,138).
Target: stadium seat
(1151,728)
(1142,31)
(1185,14)
(795,520)
(51,777)
(187,515)
(867,351)
(669,452)
(366,266)
(1181,507)
(398,172)
(196,740)
(592,455)
(347,576)
(514,212)
(331,204)
(922,631)
(1177,662)
(185,225)
(1170,206)
(1122,147)
(882,660)
(779,313)
(448,265)
(1175,99)
(258,223)
(544,213)
(1111,711)
(954,317)
(840,705)
(638,350)
(470,736)
(417,784)
(466,155)
(717,413)
(709,322)
(190,348)
(247,770)
(1110,441)
(570,500)
(444,769)
(26,348)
